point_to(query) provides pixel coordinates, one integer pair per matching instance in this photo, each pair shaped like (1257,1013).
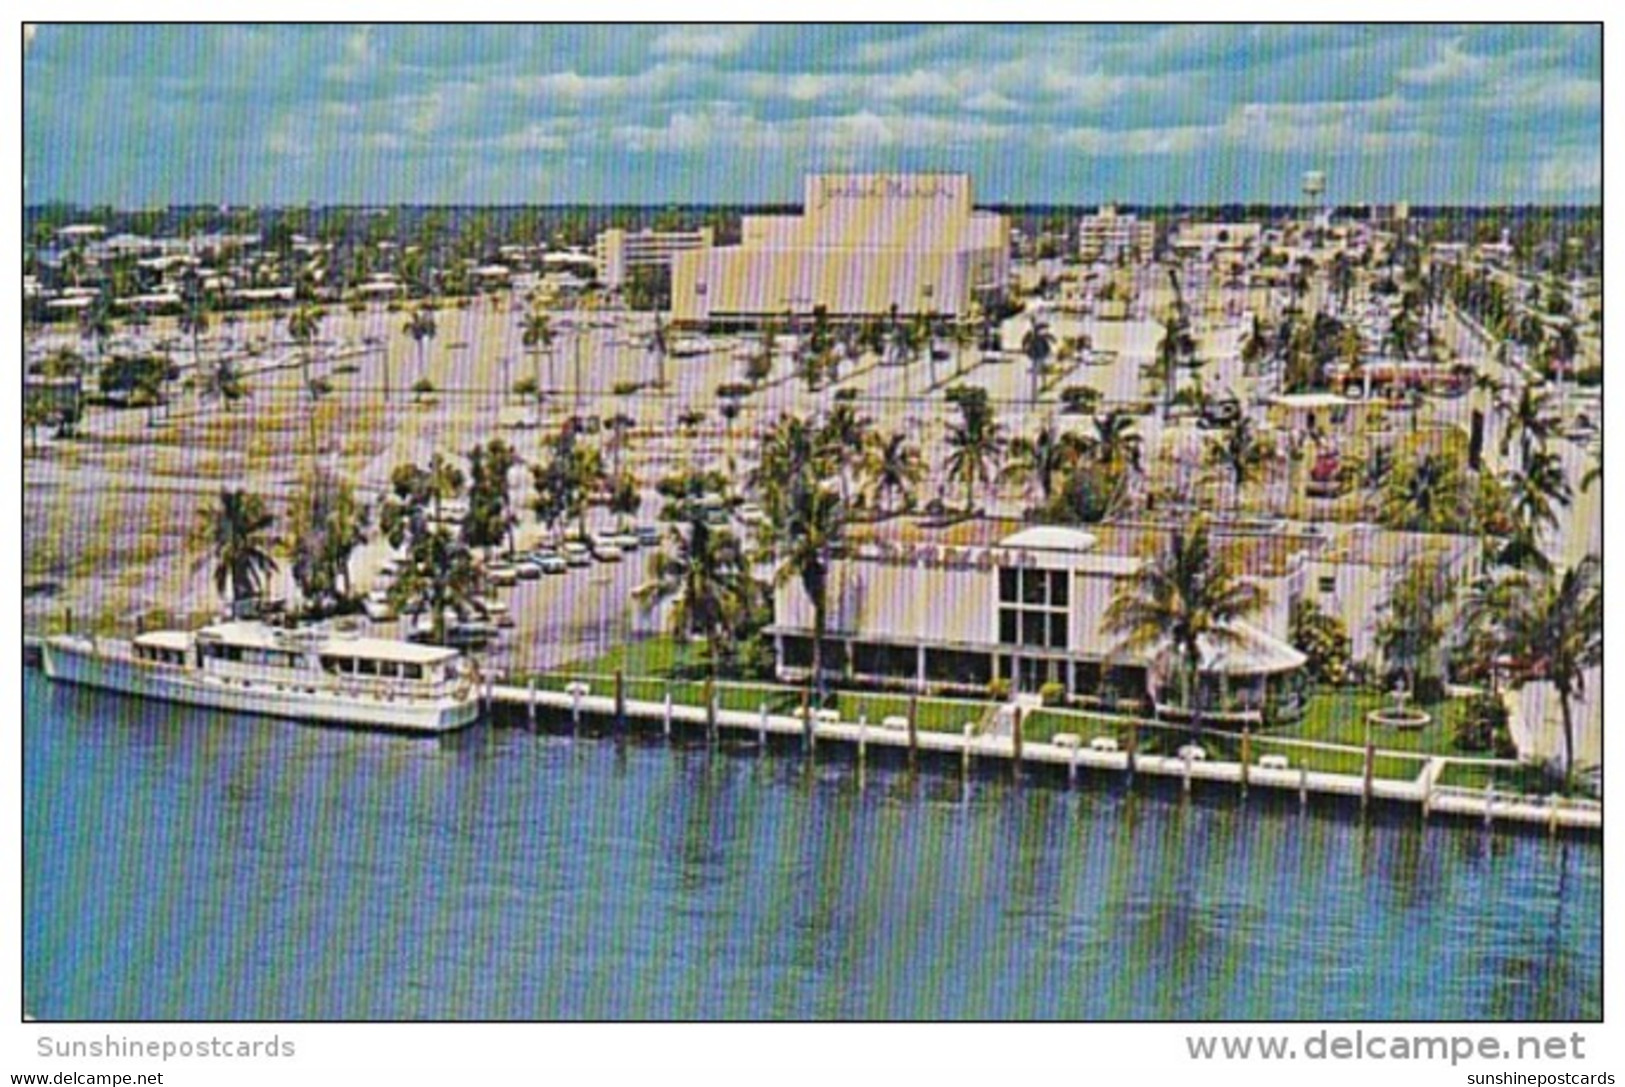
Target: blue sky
(153,115)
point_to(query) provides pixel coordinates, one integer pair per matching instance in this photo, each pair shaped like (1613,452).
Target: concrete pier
(1069,761)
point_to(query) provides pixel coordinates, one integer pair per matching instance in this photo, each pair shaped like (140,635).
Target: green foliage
(1080,399)
(1483,727)
(1086,493)
(999,689)
(1324,639)
(1052,694)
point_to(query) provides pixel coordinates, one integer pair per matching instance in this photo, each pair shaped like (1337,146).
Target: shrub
(626,388)
(1324,639)
(733,390)
(999,689)
(1052,694)
(1080,399)
(845,396)
(1589,376)
(1483,727)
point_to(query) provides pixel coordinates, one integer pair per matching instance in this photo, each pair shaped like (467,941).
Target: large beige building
(1111,236)
(864,245)
(619,251)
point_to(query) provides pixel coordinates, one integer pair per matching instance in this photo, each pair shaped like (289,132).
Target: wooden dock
(582,706)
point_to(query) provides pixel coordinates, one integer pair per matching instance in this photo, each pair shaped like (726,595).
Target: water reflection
(234,868)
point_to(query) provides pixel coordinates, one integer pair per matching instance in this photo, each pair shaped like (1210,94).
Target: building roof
(1051,538)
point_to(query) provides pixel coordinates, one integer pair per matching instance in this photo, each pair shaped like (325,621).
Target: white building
(1030,607)
(619,251)
(864,245)
(1109,236)
(1207,239)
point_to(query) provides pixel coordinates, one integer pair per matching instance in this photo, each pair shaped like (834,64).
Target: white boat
(307,675)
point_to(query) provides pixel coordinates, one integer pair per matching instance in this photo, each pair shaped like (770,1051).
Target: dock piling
(863,738)
(761,728)
(913,731)
(1370,773)
(620,699)
(1072,768)
(964,755)
(667,725)
(1303,788)
(1015,744)
(530,702)
(1246,753)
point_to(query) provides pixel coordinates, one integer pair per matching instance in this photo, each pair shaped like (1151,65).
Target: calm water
(181,865)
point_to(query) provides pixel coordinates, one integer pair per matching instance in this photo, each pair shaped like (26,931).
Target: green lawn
(1524,779)
(1338,717)
(1332,716)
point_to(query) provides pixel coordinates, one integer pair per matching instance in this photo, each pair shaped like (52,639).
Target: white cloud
(701,41)
(1575,171)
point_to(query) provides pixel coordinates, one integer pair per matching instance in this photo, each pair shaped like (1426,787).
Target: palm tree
(1427,494)
(702,573)
(893,466)
(842,439)
(1241,452)
(1553,632)
(660,345)
(1532,420)
(1174,349)
(422,328)
(36,413)
(537,335)
(326,523)
(303,324)
(1042,458)
(1183,598)
(237,530)
(1115,443)
(814,522)
(1038,344)
(1541,486)
(976,445)
(1416,620)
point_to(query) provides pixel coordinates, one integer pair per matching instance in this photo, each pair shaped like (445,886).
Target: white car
(576,554)
(377,607)
(750,514)
(604,551)
(501,573)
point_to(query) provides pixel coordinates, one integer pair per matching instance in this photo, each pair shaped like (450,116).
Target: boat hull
(71,660)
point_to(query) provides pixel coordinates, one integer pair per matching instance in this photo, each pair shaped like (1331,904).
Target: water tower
(1314,195)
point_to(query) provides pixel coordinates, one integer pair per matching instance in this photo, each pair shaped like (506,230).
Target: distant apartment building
(1207,239)
(865,245)
(619,251)
(1110,236)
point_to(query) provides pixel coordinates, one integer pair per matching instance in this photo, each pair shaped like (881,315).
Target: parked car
(648,535)
(553,564)
(604,551)
(751,514)
(576,554)
(501,573)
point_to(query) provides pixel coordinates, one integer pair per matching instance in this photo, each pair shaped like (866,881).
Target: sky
(139,116)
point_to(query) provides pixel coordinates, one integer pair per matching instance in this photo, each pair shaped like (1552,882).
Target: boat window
(413,671)
(367,667)
(330,665)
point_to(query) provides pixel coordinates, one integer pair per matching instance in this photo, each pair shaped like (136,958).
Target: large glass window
(1035,608)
